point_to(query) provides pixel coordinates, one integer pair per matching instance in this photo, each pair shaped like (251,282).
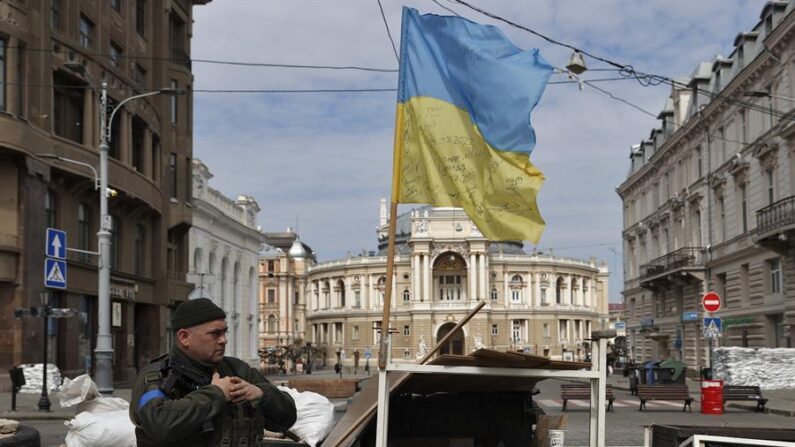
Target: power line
(225,62)
(388,33)
(446,8)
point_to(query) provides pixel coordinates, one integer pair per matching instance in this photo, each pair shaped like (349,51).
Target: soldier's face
(205,342)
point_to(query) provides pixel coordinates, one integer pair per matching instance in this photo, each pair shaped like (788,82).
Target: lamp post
(104,349)
(44,400)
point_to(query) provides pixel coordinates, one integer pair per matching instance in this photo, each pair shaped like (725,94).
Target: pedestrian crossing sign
(712,327)
(55,273)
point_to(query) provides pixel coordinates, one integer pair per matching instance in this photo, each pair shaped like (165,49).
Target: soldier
(195,396)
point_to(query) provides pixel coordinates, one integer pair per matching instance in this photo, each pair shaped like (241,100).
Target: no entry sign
(711,302)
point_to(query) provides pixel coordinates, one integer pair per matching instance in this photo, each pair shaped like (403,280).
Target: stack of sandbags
(768,368)
(33,377)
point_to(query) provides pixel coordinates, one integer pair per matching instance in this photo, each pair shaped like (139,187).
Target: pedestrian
(195,396)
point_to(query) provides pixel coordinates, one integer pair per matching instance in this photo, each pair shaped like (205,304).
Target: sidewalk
(781,402)
(28,406)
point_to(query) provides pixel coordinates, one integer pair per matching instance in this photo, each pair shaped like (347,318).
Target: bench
(664,392)
(752,393)
(582,391)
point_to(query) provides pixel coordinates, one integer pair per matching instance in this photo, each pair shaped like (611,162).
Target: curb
(36,416)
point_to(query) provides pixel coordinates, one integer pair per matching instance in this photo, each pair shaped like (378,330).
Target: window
(115,54)
(272,324)
(774,266)
(270,269)
(188,179)
(516,331)
(546,330)
(140,234)
(139,76)
(138,131)
(338,333)
(544,296)
(176,31)
(722,218)
(357,299)
(720,287)
(744,207)
(406,354)
(516,295)
(271,296)
(140,17)
(67,108)
(744,283)
(115,241)
(376,332)
(173,100)
(700,163)
(563,330)
(172,174)
(495,330)
(354,332)
(55,14)
(296,298)
(406,296)
(86,32)
(116,5)
(771,196)
(83,231)
(406,330)
(49,209)
(493,295)
(450,287)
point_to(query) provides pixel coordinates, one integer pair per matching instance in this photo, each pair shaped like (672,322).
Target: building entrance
(453,346)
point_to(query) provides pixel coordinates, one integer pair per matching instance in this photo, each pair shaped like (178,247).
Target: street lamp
(104,348)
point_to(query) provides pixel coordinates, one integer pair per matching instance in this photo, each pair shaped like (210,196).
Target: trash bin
(671,371)
(712,397)
(648,370)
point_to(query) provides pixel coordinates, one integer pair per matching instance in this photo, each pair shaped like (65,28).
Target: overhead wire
(388,33)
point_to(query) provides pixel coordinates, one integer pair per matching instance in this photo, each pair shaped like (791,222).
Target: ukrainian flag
(463,136)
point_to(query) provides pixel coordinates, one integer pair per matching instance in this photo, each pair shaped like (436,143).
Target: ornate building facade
(53,57)
(536,303)
(224,246)
(709,203)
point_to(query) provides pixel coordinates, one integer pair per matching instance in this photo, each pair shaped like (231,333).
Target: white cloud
(325,159)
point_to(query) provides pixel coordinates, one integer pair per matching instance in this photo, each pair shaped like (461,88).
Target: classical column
(567,295)
(426,277)
(88,117)
(473,281)
(528,297)
(146,157)
(394,301)
(368,303)
(417,280)
(483,284)
(125,137)
(506,290)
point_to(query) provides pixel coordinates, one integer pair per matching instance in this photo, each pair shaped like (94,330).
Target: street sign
(689,316)
(55,273)
(711,302)
(712,327)
(367,353)
(56,244)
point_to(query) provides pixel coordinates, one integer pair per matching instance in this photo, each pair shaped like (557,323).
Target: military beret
(194,312)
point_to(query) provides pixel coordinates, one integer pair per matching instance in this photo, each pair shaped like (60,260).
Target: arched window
(340,289)
(406,296)
(494,294)
(198,265)
(211,263)
(559,291)
(224,279)
(326,295)
(271,324)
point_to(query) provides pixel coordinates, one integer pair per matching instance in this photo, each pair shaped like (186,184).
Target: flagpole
(392,229)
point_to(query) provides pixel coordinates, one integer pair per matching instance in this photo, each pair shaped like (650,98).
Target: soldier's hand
(226,384)
(243,391)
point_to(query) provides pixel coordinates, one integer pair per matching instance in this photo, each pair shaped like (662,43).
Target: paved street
(625,423)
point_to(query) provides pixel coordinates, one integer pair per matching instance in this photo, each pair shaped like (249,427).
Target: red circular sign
(711,302)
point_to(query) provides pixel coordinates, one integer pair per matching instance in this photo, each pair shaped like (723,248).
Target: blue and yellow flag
(463,136)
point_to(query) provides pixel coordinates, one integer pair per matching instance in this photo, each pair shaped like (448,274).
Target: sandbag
(112,428)
(315,415)
(74,391)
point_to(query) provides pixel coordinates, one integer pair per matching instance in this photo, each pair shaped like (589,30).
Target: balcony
(677,268)
(775,224)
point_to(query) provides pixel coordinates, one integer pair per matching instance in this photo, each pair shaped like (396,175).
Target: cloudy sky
(322,161)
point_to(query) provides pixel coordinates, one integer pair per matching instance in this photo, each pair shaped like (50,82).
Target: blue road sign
(55,273)
(367,353)
(712,327)
(56,243)
(689,316)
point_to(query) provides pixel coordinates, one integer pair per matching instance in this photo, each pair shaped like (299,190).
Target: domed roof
(297,250)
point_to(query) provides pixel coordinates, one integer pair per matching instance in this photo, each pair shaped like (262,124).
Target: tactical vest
(239,425)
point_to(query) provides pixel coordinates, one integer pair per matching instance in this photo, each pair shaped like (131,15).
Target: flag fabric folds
(463,136)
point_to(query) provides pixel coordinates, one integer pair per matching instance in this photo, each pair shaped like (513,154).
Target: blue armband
(149,395)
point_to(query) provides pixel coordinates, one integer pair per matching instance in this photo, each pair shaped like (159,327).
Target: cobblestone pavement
(625,423)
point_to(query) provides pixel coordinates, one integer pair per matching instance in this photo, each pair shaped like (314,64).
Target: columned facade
(443,266)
